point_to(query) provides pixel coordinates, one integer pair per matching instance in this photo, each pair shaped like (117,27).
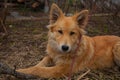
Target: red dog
(67,40)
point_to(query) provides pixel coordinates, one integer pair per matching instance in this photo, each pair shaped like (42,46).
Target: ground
(26,44)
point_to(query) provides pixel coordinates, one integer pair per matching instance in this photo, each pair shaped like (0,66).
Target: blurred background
(23,32)
(103,13)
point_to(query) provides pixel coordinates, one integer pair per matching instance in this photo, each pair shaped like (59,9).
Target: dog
(70,49)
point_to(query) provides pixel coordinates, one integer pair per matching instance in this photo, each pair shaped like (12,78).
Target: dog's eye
(71,33)
(60,31)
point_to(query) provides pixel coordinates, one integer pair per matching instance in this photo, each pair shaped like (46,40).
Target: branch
(5,69)
(81,76)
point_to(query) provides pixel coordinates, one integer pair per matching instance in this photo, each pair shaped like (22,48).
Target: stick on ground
(5,69)
(83,74)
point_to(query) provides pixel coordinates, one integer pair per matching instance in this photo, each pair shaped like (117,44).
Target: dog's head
(65,32)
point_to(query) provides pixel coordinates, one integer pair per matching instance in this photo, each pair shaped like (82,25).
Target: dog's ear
(55,13)
(81,18)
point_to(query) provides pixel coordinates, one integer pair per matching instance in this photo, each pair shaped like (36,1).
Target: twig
(83,75)
(26,19)
(5,69)
(3,25)
(3,17)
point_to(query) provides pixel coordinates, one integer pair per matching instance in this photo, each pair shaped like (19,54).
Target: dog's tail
(116,53)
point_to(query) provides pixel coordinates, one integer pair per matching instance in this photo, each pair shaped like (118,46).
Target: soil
(26,44)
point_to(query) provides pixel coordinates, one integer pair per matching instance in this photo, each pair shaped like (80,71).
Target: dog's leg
(116,52)
(44,61)
(46,72)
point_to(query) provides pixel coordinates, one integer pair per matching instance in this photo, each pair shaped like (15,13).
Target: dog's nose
(65,48)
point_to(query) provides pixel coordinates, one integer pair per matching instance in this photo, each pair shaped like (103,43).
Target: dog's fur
(93,52)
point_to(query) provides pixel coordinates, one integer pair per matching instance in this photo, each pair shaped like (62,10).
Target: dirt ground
(26,44)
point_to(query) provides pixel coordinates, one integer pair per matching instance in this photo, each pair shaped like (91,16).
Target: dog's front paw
(25,71)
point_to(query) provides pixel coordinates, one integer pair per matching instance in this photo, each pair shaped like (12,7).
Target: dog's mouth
(65,52)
